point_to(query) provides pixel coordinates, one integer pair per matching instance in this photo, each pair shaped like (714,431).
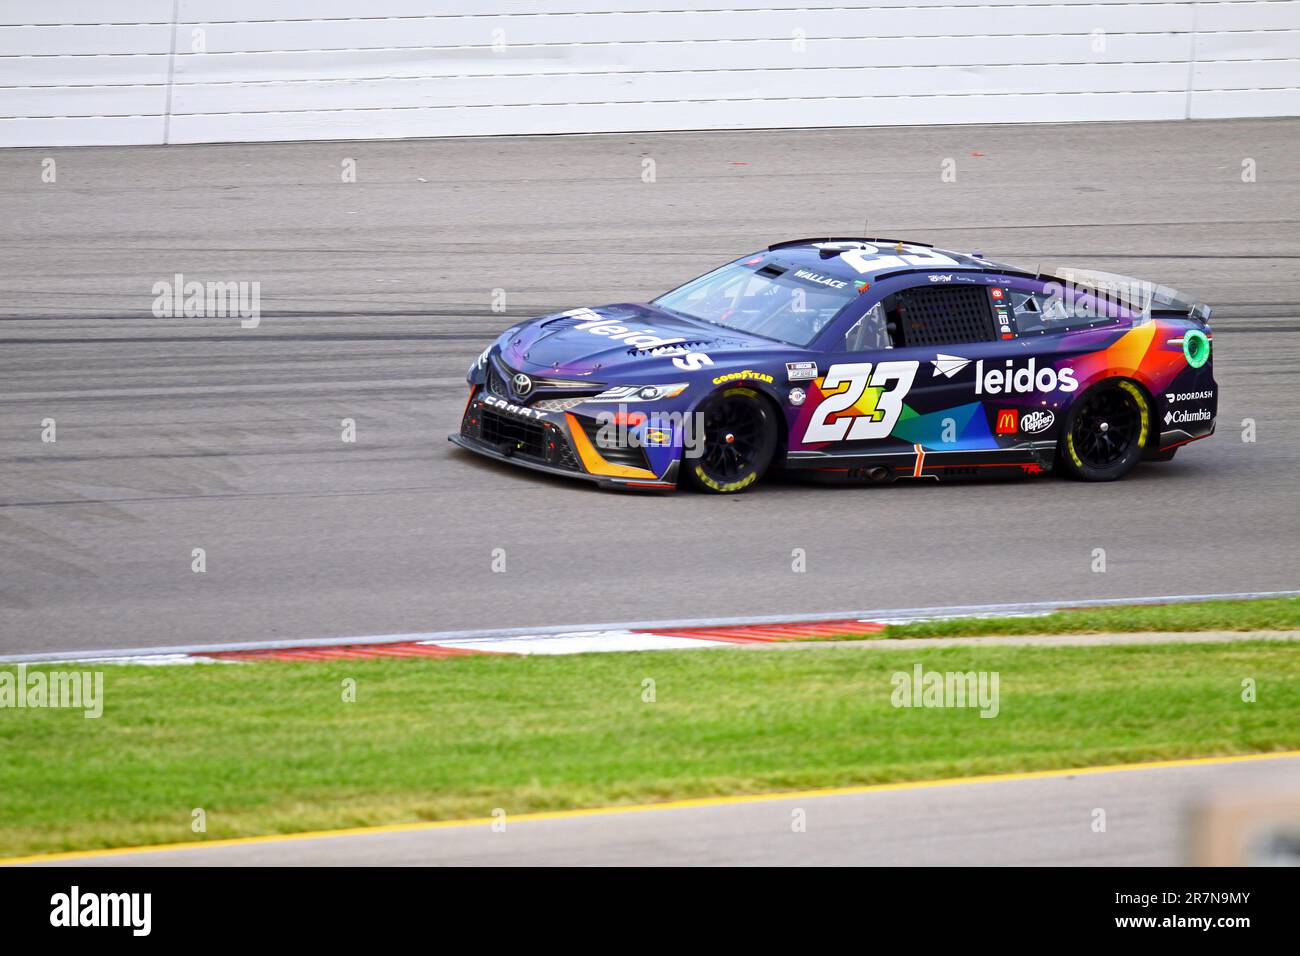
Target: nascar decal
(860,402)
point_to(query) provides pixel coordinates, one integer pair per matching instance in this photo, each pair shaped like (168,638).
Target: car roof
(823,255)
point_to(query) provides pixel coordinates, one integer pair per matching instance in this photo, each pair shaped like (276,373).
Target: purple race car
(859,360)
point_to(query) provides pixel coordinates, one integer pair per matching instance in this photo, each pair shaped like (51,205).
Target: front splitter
(667,483)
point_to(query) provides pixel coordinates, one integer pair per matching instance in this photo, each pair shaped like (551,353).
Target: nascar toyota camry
(856,360)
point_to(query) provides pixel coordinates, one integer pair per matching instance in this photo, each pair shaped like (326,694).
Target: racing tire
(1105,432)
(740,436)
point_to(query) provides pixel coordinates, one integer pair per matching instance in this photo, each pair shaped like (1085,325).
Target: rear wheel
(1105,432)
(740,435)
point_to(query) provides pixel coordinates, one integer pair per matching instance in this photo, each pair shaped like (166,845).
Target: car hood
(604,341)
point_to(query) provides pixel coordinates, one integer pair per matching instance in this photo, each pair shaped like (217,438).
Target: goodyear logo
(746,374)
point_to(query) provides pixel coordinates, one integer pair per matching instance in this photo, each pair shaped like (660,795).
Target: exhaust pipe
(880,473)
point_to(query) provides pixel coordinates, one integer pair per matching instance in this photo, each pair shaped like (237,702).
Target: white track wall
(75,72)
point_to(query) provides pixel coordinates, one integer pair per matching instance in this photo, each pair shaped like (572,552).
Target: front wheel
(1105,432)
(739,441)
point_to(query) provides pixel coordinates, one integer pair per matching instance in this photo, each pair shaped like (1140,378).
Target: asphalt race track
(183,433)
(1042,821)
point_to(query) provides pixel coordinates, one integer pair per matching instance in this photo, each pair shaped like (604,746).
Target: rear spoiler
(829,239)
(1137,295)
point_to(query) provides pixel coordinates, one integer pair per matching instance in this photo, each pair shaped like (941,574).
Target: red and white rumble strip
(640,636)
(571,642)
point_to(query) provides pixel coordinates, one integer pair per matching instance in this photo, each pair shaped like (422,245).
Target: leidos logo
(642,339)
(1030,378)
(597,324)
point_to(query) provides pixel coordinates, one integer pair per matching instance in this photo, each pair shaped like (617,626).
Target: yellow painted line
(640,807)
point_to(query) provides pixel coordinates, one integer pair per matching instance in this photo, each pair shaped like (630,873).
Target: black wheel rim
(732,436)
(1106,427)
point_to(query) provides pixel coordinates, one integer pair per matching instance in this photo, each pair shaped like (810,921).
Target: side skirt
(924,464)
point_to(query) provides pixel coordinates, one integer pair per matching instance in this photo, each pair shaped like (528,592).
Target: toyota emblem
(523,384)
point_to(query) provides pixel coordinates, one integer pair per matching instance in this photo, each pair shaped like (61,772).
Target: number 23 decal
(893,378)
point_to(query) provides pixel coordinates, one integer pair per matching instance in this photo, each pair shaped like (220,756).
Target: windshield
(790,305)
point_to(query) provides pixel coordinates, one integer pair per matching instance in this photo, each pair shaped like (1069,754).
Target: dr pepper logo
(1032,423)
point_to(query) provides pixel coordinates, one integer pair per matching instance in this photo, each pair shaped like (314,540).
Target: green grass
(1265,614)
(267,748)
